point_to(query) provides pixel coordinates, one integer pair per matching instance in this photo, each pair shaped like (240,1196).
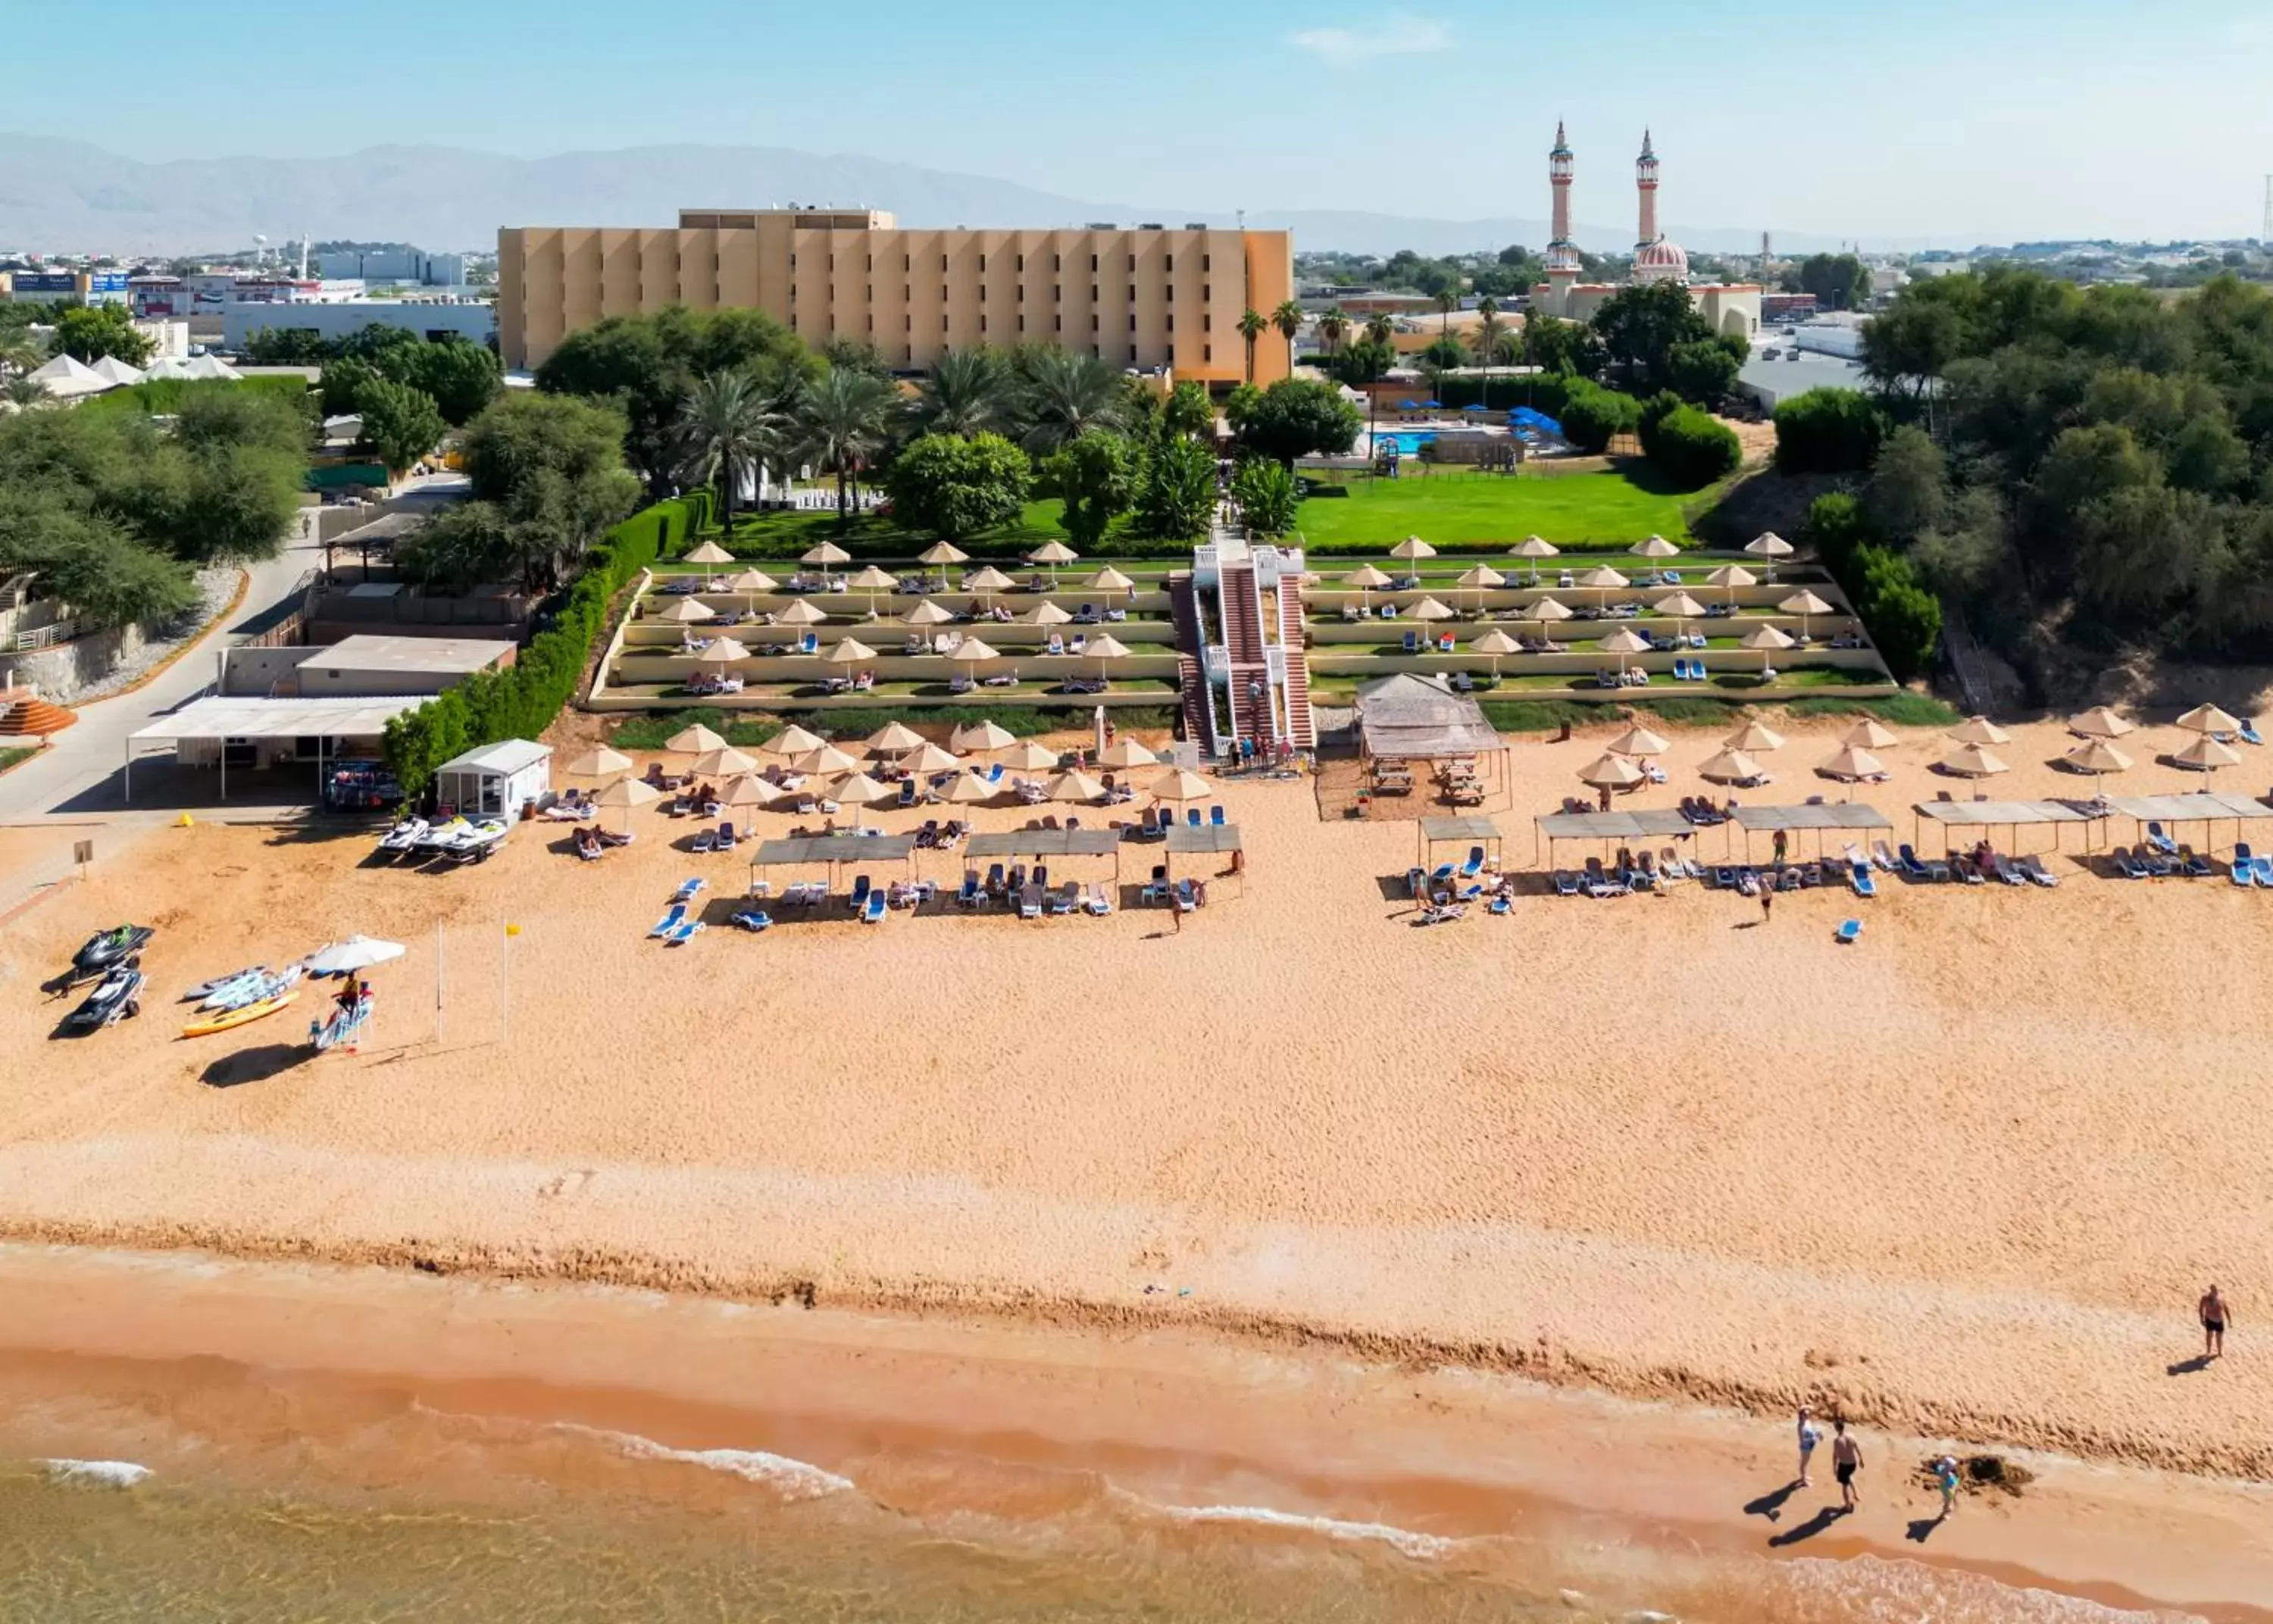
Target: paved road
(86,757)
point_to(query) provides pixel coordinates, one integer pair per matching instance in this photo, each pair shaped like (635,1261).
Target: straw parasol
(1365,578)
(1769,544)
(1545,610)
(1979,730)
(1655,547)
(827,552)
(1624,641)
(982,736)
(859,790)
(803,612)
(1731,766)
(723,762)
(1765,642)
(1972,761)
(1104,648)
(710,552)
(2096,756)
(942,552)
(1429,609)
(1029,756)
(986,582)
(1052,554)
(1868,734)
(929,758)
(1611,773)
(1125,752)
(824,759)
(687,612)
(1495,643)
(792,741)
(967,789)
(2209,719)
(1182,784)
(1076,786)
(1639,741)
(1045,614)
(873,581)
(2100,722)
(1412,547)
(627,793)
(1850,763)
(1110,579)
(722,651)
(599,763)
(1681,606)
(1480,578)
(893,738)
(751,580)
(851,651)
(1753,735)
(972,652)
(1731,576)
(694,741)
(928,614)
(1604,579)
(1533,548)
(1803,603)
(749,790)
(2206,755)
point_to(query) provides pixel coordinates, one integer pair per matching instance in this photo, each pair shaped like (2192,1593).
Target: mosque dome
(1661,261)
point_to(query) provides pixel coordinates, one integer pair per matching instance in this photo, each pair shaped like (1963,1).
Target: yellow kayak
(238,1017)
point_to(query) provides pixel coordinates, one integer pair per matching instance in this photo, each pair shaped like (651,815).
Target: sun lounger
(967,896)
(1474,865)
(2033,867)
(2161,841)
(1906,861)
(2260,869)
(860,892)
(754,920)
(872,912)
(689,889)
(682,934)
(1567,883)
(1066,898)
(1501,905)
(2249,733)
(1187,898)
(1882,857)
(2129,866)
(670,920)
(2192,863)
(1848,931)
(1030,902)
(1098,902)
(2245,866)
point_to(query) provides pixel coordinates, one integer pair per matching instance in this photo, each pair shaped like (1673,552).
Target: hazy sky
(1944,121)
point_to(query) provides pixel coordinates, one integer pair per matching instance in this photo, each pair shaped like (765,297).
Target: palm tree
(725,426)
(1252,325)
(842,421)
(1333,326)
(24,392)
(1379,329)
(1488,326)
(966,393)
(1448,300)
(1064,395)
(20,355)
(1289,320)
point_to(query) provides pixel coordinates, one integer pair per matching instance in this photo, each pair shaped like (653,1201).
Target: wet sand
(1965,1178)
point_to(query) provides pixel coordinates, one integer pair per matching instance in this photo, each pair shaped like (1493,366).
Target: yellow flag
(513,929)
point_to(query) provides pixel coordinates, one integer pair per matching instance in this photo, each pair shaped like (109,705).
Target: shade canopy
(792,741)
(1680,605)
(1753,735)
(1769,544)
(859,790)
(1979,730)
(1625,640)
(893,738)
(751,580)
(694,741)
(723,762)
(1429,609)
(710,552)
(827,552)
(1413,547)
(1638,741)
(598,763)
(1972,761)
(824,759)
(1655,547)
(357,953)
(2096,756)
(2209,719)
(1851,762)
(926,613)
(1602,576)
(1052,552)
(942,552)
(1181,784)
(1125,752)
(971,650)
(981,736)
(2100,722)
(1110,579)
(1611,772)
(628,792)
(1044,843)
(1535,547)
(1868,734)
(851,651)
(1729,767)
(1365,578)
(802,612)
(930,758)
(813,848)
(722,651)
(686,612)
(1804,603)
(1076,786)
(1411,716)
(2206,754)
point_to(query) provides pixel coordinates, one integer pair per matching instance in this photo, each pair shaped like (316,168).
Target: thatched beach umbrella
(1972,761)
(2207,719)
(1979,730)
(1534,548)
(873,581)
(710,552)
(1752,737)
(1495,643)
(1868,735)
(982,736)
(1655,547)
(2096,756)
(1766,642)
(792,741)
(1850,764)
(1076,786)
(1182,784)
(2100,722)
(1624,641)
(1610,772)
(694,741)
(892,739)
(1805,604)
(723,762)
(686,612)
(599,763)
(1731,766)
(1411,547)
(1638,741)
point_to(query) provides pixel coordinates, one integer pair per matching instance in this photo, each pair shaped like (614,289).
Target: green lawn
(14,754)
(1493,512)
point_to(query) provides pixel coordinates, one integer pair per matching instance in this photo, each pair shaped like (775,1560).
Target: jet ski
(440,837)
(106,949)
(477,841)
(115,997)
(403,837)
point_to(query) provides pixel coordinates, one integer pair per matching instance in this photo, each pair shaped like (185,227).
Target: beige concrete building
(1148,295)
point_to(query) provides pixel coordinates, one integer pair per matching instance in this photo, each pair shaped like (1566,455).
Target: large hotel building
(1145,296)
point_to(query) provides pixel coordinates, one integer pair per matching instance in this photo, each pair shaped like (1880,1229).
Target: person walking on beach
(1846,1461)
(1945,1480)
(1810,1435)
(2214,1316)
(1767,906)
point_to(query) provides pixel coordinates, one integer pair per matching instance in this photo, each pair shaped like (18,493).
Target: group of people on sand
(1847,1454)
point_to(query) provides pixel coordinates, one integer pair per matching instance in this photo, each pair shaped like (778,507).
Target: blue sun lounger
(2260,869)
(858,900)
(1474,865)
(872,912)
(754,920)
(1567,883)
(2161,841)
(968,896)
(670,921)
(1859,875)
(682,933)
(2245,866)
(689,889)
(1849,931)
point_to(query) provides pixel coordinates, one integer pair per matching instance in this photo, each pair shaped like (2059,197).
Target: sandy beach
(1963,1179)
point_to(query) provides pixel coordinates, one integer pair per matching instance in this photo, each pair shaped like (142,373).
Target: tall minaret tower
(1562,265)
(1645,183)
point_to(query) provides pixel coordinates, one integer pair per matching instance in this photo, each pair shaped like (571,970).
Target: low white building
(430,318)
(494,780)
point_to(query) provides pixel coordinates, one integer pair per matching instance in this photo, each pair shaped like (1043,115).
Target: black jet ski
(106,949)
(117,996)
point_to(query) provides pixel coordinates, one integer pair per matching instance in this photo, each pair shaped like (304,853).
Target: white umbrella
(1979,730)
(893,738)
(1534,548)
(825,759)
(982,736)
(1110,579)
(599,763)
(1076,786)
(1104,648)
(1125,752)
(1655,547)
(928,614)
(929,758)
(710,552)
(1545,610)
(694,741)
(1805,604)
(2096,756)
(1731,576)
(722,651)
(1045,614)
(1752,737)
(1052,554)
(2209,719)
(1429,609)
(1611,773)
(792,741)
(986,582)
(1365,578)
(968,788)
(1683,608)
(1182,784)
(851,651)
(1731,766)
(2206,755)
(686,612)
(1480,578)
(1624,641)
(1495,643)
(357,953)
(2100,722)
(942,552)
(751,581)
(1638,741)
(1850,763)
(1412,547)
(1972,761)
(1029,756)
(803,612)
(1769,544)
(859,790)
(750,790)
(723,762)
(1603,579)
(873,581)
(1766,641)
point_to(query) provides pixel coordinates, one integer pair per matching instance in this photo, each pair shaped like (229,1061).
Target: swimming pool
(1407,441)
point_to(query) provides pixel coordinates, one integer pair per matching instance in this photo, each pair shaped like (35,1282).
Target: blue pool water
(1409,442)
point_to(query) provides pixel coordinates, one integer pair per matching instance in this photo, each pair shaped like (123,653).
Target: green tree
(1693,447)
(1364,363)
(1266,495)
(1252,325)
(1188,411)
(1448,300)
(1553,344)
(1702,371)
(461,378)
(26,392)
(1640,326)
(954,489)
(1063,396)
(1379,329)
(1593,416)
(856,356)
(1839,281)
(1909,494)
(1488,329)
(1444,354)
(727,427)
(967,393)
(1905,349)
(548,479)
(89,562)
(343,379)
(1297,417)
(844,421)
(1177,500)
(1289,320)
(1096,475)
(1826,431)
(287,347)
(400,424)
(90,332)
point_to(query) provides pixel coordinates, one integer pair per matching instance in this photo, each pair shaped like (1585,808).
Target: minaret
(1645,183)
(1562,264)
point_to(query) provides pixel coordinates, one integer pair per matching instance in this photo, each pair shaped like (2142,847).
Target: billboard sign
(45,281)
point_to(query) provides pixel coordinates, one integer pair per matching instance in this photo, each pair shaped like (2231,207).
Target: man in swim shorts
(2214,1316)
(1846,1461)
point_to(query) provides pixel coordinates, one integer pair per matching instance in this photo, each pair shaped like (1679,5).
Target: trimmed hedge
(1689,443)
(162,397)
(1827,432)
(1593,416)
(521,701)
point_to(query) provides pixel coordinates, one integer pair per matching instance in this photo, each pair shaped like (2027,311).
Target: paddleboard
(238,1017)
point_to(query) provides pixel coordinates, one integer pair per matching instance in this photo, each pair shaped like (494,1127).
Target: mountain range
(69,197)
